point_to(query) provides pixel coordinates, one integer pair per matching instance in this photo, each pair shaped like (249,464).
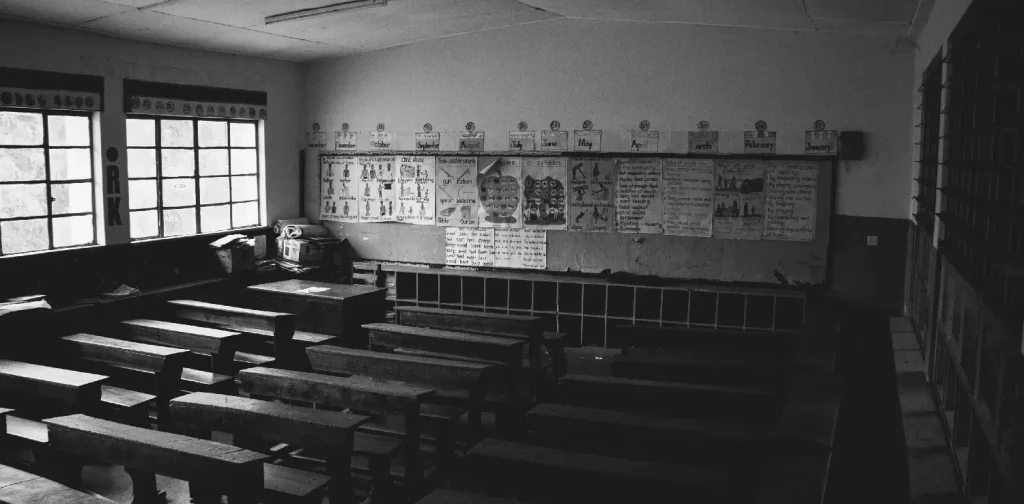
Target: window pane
(179,192)
(213,162)
(141,194)
(141,132)
(215,218)
(176,133)
(243,134)
(180,221)
(70,164)
(76,230)
(178,162)
(21,128)
(22,200)
(243,161)
(141,163)
(18,165)
(24,236)
(245,214)
(244,188)
(214,190)
(144,224)
(68,130)
(213,134)
(71,198)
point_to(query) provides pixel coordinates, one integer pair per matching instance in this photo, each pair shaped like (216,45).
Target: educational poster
(544,193)
(592,195)
(376,189)
(739,200)
(456,191)
(338,189)
(791,205)
(416,189)
(468,247)
(688,196)
(638,196)
(520,248)
(499,191)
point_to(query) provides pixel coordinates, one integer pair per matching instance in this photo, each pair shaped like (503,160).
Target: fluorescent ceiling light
(327,9)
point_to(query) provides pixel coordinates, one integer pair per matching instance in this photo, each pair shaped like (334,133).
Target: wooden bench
(376,398)
(218,468)
(455,382)
(76,391)
(527,328)
(716,368)
(219,346)
(280,326)
(17,486)
(248,418)
(160,366)
(647,436)
(588,476)
(638,337)
(668,398)
(449,496)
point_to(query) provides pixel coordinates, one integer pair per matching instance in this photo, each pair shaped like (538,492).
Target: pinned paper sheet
(638,196)
(468,247)
(790,205)
(544,193)
(376,189)
(416,189)
(591,195)
(499,181)
(739,200)
(689,194)
(456,191)
(521,248)
(338,189)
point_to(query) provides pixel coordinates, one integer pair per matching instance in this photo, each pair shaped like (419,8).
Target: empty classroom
(511,251)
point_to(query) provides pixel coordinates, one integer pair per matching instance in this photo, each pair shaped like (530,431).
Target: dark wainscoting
(869,277)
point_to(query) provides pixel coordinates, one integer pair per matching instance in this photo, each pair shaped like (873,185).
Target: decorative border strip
(185,108)
(50,99)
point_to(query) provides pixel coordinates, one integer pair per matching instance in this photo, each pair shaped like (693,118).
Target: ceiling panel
(406,21)
(58,11)
(247,13)
(158,27)
(864,10)
(782,14)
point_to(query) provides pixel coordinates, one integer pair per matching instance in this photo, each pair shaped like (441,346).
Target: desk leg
(339,466)
(247,486)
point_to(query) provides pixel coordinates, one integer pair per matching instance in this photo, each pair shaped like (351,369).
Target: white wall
(37,47)
(617,73)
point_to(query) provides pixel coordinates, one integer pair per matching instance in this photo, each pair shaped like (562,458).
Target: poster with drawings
(592,195)
(376,189)
(416,189)
(739,200)
(456,191)
(544,193)
(499,185)
(338,189)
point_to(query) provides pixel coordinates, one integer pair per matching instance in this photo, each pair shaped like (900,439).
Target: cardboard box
(300,250)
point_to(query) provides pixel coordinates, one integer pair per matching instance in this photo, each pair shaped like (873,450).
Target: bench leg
(380,477)
(446,448)
(144,488)
(339,467)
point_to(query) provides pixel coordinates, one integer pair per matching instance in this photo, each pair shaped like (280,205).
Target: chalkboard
(789,251)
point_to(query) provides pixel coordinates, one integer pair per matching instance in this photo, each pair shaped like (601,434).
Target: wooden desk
(72,388)
(327,308)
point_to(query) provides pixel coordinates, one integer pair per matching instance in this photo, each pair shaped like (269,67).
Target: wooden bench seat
(717,368)
(249,418)
(525,464)
(669,398)
(280,326)
(246,359)
(449,496)
(632,337)
(127,406)
(220,468)
(194,380)
(17,486)
(528,328)
(445,342)
(376,398)
(647,436)
(217,345)
(287,485)
(71,388)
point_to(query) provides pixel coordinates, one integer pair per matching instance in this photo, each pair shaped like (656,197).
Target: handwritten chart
(689,195)
(416,189)
(469,247)
(544,193)
(520,248)
(591,195)
(456,191)
(638,196)
(739,200)
(338,192)
(790,206)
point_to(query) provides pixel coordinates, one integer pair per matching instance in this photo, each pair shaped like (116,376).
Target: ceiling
(236,26)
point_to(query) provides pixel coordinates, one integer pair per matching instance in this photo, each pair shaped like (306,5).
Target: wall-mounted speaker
(851,145)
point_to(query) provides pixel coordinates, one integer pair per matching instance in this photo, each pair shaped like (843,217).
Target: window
(190,176)
(46,181)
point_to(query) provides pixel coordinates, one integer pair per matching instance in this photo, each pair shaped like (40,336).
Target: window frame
(46,147)
(196,177)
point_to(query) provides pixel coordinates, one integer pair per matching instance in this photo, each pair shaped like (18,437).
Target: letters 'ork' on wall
(724,199)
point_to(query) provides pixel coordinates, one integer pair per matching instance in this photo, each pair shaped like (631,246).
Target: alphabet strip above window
(173,107)
(50,99)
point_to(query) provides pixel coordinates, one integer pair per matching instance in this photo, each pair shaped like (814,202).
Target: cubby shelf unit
(587,309)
